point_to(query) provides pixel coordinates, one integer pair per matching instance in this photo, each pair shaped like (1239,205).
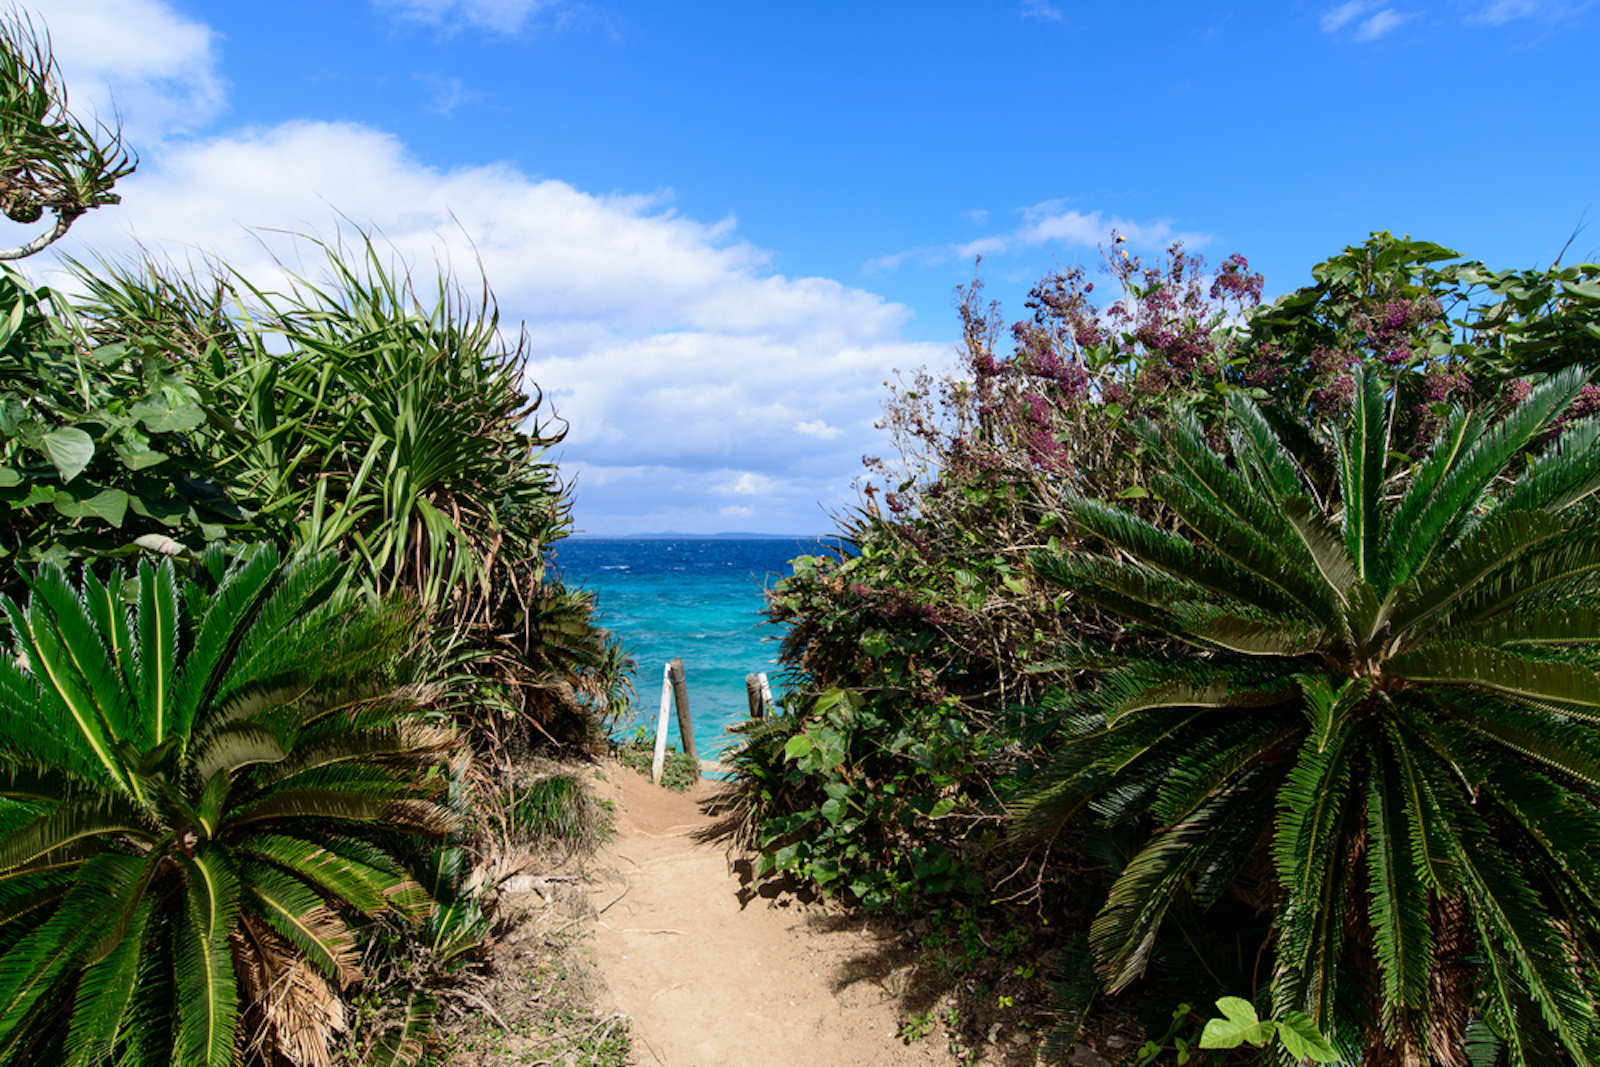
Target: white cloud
(1381,23)
(818,428)
(500,16)
(1335,20)
(750,484)
(1042,10)
(738,511)
(683,365)
(1500,12)
(139,59)
(1049,223)
(1372,26)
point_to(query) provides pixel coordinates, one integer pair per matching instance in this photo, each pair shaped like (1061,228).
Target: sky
(725,225)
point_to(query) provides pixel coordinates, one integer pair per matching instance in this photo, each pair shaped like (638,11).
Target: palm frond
(208,995)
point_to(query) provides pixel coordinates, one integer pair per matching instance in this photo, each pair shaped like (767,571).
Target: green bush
(204,785)
(679,773)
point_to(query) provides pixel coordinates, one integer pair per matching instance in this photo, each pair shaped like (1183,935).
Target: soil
(716,970)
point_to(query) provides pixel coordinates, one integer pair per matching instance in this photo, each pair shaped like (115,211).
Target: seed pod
(24,211)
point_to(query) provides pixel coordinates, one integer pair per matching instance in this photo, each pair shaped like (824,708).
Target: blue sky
(725,224)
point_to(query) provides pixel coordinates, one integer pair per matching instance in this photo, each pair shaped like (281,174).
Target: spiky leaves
(195,791)
(1407,669)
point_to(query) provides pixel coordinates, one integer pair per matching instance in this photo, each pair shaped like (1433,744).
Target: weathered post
(680,692)
(660,761)
(752,692)
(766,691)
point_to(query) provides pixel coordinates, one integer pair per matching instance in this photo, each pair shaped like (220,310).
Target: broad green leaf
(9,478)
(162,415)
(69,451)
(108,505)
(1303,1040)
(1238,1025)
(797,746)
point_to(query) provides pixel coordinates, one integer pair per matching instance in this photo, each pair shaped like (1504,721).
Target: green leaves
(69,451)
(1240,1025)
(192,729)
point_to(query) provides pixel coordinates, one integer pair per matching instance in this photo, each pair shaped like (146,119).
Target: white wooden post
(660,760)
(766,695)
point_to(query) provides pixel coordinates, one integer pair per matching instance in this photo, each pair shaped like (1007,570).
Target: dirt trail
(717,976)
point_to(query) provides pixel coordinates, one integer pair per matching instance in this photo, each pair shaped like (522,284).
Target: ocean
(699,600)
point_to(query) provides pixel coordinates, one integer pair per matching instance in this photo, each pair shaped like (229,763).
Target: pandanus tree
(1367,685)
(199,788)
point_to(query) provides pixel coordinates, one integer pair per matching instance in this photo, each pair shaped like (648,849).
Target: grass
(679,773)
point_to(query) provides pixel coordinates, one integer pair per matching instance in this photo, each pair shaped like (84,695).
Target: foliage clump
(1094,610)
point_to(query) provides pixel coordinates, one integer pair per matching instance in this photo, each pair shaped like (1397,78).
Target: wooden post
(660,760)
(680,692)
(766,692)
(752,692)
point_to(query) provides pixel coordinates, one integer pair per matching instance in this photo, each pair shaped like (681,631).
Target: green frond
(1463,488)
(1281,477)
(104,993)
(1482,667)
(1556,742)
(1311,808)
(235,746)
(1124,931)
(65,825)
(300,915)
(1461,429)
(43,957)
(1491,546)
(1363,450)
(1186,455)
(158,651)
(1174,555)
(1186,685)
(1250,634)
(405,1043)
(1538,626)
(1323,543)
(1401,936)
(355,884)
(27,724)
(1551,566)
(1209,766)
(69,629)
(1562,475)
(208,993)
(218,631)
(64,697)
(1250,550)
(1509,916)
(334,804)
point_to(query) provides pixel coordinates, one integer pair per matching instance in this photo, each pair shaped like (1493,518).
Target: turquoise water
(698,600)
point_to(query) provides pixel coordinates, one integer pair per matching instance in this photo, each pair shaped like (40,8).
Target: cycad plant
(1371,709)
(196,791)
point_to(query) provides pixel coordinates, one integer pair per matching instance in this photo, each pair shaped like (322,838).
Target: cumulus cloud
(684,366)
(818,428)
(137,60)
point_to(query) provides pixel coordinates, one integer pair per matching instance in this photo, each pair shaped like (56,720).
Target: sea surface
(697,599)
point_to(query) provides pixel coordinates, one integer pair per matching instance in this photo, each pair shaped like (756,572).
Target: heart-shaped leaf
(69,450)
(108,505)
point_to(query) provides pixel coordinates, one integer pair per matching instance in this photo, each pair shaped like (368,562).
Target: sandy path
(713,981)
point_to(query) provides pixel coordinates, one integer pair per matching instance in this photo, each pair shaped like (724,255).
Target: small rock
(1019,1038)
(1084,1056)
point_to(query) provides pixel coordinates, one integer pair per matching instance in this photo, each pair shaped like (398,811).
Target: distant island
(671,535)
